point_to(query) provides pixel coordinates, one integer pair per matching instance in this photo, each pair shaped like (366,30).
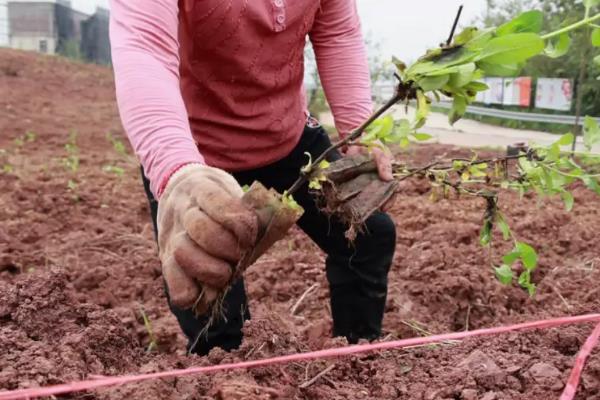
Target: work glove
(204,230)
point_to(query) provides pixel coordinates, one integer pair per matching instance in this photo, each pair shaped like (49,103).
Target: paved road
(470,133)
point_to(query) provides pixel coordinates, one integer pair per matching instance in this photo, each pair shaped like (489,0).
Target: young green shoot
(148,325)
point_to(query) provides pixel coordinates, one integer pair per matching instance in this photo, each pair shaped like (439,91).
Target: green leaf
(459,108)
(560,47)
(592,184)
(430,83)
(504,274)
(485,236)
(315,184)
(421,137)
(525,282)
(423,109)
(386,126)
(439,60)
(465,36)
(458,165)
(324,164)
(526,165)
(529,256)
(401,65)
(530,21)
(289,202)
(565,140)
(478,171)
(596,37)
(481,39)
(381,129)
(512,48)
(477,86)
(463,76)
(404,143)
(568,200)
(511,257)
(591,132)
(400,133)
(500,70)
(503,226)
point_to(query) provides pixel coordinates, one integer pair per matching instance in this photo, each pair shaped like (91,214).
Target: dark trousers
(357,273)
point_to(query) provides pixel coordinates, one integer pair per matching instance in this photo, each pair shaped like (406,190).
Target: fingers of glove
(383,159)
(228,211)
(210,236)
(225,181)
(183,290)
(198,264)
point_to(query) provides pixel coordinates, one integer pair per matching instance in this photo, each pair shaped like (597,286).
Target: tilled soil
(78,269)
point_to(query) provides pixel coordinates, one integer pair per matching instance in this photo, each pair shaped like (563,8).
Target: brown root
(353,192)
(349,168)
(275,219)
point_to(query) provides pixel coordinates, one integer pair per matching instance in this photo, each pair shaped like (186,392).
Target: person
(211,96)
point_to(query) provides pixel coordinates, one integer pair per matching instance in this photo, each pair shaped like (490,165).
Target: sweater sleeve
(342,62)
(145,52)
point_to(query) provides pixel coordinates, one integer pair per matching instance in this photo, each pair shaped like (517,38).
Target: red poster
(524,84)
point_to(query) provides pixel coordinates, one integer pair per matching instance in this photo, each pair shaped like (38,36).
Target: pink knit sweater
(221,81)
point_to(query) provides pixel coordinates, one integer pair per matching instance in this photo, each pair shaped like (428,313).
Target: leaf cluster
(542,170)
(455,71)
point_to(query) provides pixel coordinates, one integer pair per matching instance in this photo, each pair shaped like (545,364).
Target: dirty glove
(204,230)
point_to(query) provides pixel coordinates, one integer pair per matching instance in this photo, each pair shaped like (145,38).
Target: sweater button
(278,3)
(280,18)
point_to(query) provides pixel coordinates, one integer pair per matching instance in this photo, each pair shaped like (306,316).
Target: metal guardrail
(517,115)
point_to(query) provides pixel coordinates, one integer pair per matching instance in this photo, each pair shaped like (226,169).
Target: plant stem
(572,27)
(449,41)
(353,136)
(579,87)
(567,174)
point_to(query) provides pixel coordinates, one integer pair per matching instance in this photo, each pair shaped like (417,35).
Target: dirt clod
(546,374)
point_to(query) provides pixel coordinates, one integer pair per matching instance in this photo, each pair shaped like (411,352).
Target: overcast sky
(404,28)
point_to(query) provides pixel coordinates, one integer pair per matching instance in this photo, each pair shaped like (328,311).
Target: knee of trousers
(374,249)
(380,235)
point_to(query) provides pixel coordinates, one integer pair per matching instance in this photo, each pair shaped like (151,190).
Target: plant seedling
(455,70)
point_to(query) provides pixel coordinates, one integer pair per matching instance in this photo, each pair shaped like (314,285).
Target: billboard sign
(554,94)
(517,91)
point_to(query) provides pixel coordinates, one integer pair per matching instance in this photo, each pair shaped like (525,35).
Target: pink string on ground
(321,354)
(584,353)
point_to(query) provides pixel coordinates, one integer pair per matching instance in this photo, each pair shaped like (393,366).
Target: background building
(3,23)
(95,44)
(54,27)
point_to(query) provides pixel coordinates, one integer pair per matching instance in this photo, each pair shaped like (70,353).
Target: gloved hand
(204,230)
